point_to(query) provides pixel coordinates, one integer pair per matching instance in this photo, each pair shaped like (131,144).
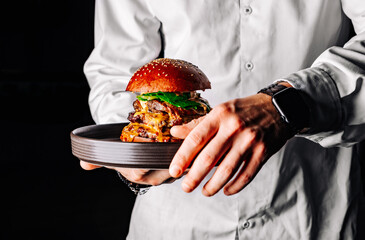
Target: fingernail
(205,193)
(185,187)
(175,171)
(172,130)
(226,192)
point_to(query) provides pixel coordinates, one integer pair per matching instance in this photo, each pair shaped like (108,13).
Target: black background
(43,96)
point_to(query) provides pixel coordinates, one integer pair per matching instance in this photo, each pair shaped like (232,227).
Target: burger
(166,96)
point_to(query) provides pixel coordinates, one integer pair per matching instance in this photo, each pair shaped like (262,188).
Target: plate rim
(90,144)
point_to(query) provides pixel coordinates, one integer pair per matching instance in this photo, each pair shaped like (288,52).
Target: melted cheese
(131,131)
(157,127)
(153,119)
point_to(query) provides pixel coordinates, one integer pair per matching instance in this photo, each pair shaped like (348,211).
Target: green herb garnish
(178,100)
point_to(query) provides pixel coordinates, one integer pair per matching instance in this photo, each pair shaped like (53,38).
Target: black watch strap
(272,89)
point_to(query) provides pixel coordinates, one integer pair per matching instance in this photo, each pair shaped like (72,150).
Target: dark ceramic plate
(100,144)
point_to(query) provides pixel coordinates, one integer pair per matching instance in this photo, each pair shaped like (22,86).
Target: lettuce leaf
(178,100)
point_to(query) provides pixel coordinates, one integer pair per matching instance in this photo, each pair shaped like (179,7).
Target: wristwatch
(291,106)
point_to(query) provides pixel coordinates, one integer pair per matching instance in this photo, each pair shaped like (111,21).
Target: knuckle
(246,178)
(235,123)
(136,177)
(194,138)
(257,132)
(261,149)
(226,171)
(222,110)
(206,159)
(228,111)
(232,127)
(252,134)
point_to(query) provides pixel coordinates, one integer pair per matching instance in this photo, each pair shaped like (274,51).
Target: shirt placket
(247,63)
(247,70)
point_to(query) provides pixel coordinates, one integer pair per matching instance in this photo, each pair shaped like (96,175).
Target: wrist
(138,189)
(290,105)
(282,128)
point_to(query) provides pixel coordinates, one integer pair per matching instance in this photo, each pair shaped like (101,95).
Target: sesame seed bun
(168,75)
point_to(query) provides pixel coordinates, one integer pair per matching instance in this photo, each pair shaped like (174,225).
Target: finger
(88,166)
(181,131)
(131,171)
(207,159)
(248,171)
(145,176)
(191,146)
(231,163)
(133,175)
(157,177)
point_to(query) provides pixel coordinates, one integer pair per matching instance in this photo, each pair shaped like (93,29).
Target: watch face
(292,108)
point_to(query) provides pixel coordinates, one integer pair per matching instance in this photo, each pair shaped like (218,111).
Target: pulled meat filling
(153,119)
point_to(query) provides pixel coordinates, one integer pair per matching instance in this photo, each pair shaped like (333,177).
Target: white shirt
(311,188)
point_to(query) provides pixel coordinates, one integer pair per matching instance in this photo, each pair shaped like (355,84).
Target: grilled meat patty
(153,119)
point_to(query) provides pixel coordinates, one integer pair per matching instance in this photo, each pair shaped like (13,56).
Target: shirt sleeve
(126,37)
(335,89)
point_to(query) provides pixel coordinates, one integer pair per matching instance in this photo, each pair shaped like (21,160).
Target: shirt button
(249,66)
(247,10)
(246,225)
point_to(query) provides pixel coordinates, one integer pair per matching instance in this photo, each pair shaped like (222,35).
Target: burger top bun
(168,75)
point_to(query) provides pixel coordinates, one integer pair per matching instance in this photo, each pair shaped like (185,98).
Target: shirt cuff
(321,94)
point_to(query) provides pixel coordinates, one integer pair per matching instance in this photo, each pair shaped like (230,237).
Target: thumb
(181,131)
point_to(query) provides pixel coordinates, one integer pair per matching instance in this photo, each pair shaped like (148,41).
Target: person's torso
(243,46)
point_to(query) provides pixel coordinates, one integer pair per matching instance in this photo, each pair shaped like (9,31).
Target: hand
(140,176)
(244,133)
